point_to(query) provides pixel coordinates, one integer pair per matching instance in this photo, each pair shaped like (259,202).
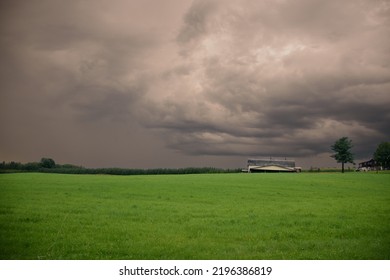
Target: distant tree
(382,154)
(342,149)
(47,163)
(31,166)
(15,165)
(11,165)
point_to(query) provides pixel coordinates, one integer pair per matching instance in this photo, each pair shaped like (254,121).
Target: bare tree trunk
(342,167)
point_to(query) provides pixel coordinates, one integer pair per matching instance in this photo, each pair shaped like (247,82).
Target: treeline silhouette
(47,165)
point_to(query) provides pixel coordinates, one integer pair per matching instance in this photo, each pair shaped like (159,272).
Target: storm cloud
(146,83)
(278,77)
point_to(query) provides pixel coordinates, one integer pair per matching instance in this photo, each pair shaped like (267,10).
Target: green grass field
(216,216)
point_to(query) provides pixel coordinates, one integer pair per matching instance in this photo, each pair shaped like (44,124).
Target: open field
(216,216)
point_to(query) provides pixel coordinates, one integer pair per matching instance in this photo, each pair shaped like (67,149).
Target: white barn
(271,165)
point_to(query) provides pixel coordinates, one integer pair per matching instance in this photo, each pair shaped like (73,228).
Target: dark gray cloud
(196,21)
(172,83)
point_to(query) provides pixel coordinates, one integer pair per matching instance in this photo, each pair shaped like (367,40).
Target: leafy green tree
(382,154)
(47,163)
(342,149)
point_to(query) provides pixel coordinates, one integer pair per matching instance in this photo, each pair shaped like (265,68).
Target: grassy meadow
(208,216)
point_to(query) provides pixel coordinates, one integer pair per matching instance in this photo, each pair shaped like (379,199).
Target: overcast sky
(177,83)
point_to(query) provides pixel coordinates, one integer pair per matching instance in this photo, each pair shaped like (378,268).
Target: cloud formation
(277,77)
(209,78)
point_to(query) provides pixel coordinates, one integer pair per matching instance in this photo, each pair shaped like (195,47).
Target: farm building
(369,165)
(271,165)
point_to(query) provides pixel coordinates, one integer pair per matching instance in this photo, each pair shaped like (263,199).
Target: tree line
(48,165)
